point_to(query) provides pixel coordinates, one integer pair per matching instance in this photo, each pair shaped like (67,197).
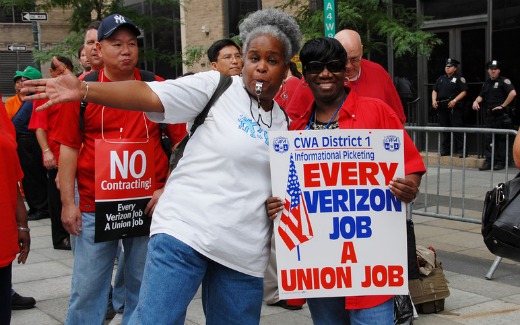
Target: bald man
(365,77)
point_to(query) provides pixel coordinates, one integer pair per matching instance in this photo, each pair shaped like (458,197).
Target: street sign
(29,16)
(329,17)
(16,48)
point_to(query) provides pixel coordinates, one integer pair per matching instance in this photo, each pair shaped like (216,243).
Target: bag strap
(223,84)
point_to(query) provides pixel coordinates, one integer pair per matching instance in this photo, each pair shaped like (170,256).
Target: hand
(65,88)
(150,207)
(475,106)
(57,181)
(71,219)
(435,105)
(452,103)
(405,189)
(49,161)
(497,108)
(273,205)
(24,240)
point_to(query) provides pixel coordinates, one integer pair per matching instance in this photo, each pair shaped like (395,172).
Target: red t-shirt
(373,82)
(368,113)
(48,121)
(10,174)
(115,123)
(288,88)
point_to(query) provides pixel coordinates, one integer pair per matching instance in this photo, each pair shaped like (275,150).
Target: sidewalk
(459,245)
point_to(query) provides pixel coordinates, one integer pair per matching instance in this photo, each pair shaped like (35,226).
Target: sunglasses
(315,67)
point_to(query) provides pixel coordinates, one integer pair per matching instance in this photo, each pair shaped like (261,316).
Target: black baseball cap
(111,23)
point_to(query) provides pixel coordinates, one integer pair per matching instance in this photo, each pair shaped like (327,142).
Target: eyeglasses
(230,57)
(315,67)
(354,60)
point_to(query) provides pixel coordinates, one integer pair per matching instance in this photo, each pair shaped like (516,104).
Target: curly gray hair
(275,23)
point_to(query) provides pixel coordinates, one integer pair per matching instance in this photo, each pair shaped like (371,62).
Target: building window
(445,9)
(235,11)
(13,13)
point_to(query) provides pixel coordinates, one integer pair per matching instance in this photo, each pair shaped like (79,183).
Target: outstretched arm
(129,95)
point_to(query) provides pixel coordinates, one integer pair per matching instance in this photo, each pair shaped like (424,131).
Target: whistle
(258,88)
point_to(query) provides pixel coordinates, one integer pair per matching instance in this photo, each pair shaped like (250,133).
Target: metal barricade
(453,188)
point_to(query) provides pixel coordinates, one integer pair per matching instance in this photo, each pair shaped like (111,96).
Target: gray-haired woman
(209,226)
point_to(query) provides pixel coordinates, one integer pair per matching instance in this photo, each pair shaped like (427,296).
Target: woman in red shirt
(336,107)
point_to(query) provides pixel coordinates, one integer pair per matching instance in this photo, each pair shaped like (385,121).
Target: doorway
(466,44)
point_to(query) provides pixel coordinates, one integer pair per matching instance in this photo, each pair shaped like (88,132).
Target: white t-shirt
(214,199)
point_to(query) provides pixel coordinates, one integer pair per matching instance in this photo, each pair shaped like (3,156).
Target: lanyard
(122,124)
(313,116)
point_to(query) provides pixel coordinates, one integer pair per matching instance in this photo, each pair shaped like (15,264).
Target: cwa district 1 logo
(281,144)
(391,143)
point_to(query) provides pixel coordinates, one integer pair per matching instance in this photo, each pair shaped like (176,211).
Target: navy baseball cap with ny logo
(111,23)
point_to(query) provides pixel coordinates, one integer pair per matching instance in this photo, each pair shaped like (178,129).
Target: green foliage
(68,48)
(193,55)
(84,11)
(372,20)
(6,6)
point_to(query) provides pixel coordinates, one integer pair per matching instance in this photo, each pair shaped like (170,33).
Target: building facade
(16,33)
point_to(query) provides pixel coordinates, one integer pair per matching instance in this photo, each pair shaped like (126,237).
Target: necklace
(259,119)
(313,117)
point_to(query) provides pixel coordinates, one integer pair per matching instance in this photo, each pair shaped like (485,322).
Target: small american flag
(295,227)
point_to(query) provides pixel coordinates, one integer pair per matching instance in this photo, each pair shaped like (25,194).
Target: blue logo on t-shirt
(252,128)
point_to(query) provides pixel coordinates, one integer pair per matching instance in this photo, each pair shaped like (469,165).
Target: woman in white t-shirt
(209,226)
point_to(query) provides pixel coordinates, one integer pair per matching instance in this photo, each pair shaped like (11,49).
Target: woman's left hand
(24,241)
(273,205)
(405,189)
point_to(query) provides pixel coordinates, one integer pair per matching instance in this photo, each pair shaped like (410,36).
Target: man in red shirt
(365,77)
(43,123)
(85,153)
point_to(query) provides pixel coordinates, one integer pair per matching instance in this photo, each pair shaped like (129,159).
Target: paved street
(466,260)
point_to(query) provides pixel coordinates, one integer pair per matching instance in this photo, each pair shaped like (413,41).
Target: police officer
(497,93)
(447,92)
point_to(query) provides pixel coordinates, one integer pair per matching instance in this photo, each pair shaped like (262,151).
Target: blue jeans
(92,274)
(331,311)
(173,273)
(118,291)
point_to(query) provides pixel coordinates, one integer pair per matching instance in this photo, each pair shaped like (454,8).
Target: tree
(375,20)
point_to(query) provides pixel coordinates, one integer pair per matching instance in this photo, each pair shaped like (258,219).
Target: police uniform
(494,93)
(447,88)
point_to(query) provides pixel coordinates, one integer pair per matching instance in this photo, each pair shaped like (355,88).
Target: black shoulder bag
(501,219)
(177,153)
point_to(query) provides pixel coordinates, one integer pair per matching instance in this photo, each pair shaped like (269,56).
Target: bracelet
(86,92)
(46,149)
(23,229)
